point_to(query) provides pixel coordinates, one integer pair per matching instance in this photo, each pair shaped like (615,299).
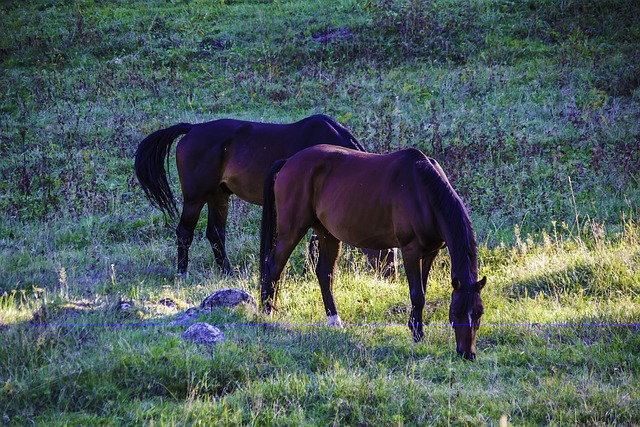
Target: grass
(532,108)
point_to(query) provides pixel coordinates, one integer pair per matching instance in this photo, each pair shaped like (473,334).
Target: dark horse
(402,199)
(220,158)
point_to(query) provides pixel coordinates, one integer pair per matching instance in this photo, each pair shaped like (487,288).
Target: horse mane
(342,131)
(447,204)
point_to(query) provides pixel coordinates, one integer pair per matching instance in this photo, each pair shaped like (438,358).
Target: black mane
(448,204)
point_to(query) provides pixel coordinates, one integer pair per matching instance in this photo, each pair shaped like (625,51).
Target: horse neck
(453,221)
(457,232)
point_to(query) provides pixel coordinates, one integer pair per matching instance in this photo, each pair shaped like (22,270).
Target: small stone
(203,333)
(187,318)
(228,298)
(168,302)
(125,305)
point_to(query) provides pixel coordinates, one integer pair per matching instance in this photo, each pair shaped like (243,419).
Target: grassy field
(531,107)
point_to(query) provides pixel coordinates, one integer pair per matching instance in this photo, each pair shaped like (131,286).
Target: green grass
(532,108)
(548,356)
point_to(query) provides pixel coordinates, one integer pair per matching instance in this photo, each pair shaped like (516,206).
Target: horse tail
(150,158)
(352,141)
(269,214)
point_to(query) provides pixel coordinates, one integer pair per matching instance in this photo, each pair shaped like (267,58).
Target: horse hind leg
(184,232)
(218,208)
(273,267)
(329,250)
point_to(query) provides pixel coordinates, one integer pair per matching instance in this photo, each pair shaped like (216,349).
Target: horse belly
(245,186)
(247,161)
(365,226)
(244,176)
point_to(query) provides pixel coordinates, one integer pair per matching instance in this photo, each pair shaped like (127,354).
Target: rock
(222,298)
(187,318)
(125,305)
(168,302)
(228,298)
(203,333)
(127,310)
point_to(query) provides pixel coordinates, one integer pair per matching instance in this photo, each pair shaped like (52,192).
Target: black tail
(149,166)
(269,214)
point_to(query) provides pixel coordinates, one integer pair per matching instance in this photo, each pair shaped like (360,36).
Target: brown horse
(402,199)
(220,158)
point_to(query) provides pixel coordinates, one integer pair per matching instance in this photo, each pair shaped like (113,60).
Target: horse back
(247,156)
(235,155)
(364,199)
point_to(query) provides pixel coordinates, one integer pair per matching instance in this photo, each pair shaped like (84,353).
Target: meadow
(531,107)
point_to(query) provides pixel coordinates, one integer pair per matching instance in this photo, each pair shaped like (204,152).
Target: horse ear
(481,283)
(455,283)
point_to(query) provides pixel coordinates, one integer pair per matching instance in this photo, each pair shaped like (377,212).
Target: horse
(224,157)
(402,199)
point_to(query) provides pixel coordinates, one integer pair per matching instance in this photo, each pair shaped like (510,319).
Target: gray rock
(203,333)
(228,298)
(187,318)
(168,302)
(124,305)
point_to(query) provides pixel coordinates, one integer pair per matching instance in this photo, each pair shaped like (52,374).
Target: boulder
(187,318)
(203,333)
(228,298)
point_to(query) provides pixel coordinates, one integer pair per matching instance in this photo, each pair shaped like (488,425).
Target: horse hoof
(467,355)
(418,335)
(267,308)
(227,270)
(334,320)
(416,331)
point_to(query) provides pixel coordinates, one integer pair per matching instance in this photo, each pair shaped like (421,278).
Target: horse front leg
(413,269)
(329,250)
(184,233)
(218,207)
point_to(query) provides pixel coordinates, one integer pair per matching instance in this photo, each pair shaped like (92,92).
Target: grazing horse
(402,199)
(220,158)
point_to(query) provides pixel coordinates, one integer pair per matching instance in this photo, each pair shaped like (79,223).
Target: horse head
(464,315)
